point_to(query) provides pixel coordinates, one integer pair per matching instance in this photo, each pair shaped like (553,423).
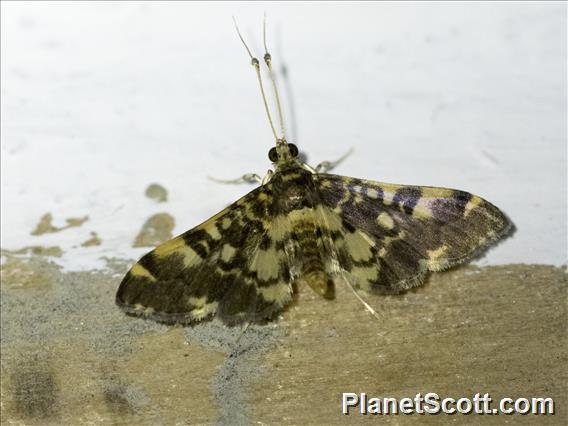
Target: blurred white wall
(101,99)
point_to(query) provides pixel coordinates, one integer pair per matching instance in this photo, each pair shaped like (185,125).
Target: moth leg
(267,177)
(247,178)
(243,331)
(368,307)
(308,168)
(326,166)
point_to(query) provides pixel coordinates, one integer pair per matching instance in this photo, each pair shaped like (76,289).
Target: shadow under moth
(303,226)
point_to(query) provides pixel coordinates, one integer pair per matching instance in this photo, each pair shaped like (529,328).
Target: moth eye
(293,150)
(273,155)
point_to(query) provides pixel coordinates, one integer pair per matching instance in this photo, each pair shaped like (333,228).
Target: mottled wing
(227,266)
(388,236)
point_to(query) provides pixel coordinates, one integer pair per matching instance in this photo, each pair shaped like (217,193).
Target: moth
(303,226)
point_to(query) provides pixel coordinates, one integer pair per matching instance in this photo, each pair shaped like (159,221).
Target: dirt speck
(74,221)
(157,192)
(117,265)
(156,230)
(122,398)
(35,390)
(17,273)
(45,225)
(93,241)
(37,250)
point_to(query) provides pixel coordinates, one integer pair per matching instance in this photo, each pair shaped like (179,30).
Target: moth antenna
(255,63)
(268,61)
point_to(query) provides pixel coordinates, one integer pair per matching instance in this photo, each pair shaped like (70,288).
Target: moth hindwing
(310,228)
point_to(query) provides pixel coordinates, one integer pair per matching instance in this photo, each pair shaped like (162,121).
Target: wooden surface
(69,356)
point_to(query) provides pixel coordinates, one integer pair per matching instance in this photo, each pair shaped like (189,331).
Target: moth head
(283,152)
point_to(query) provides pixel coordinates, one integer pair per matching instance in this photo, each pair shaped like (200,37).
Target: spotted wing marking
(391,235)
(228,265)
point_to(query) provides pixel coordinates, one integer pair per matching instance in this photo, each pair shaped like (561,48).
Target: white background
(101,99)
